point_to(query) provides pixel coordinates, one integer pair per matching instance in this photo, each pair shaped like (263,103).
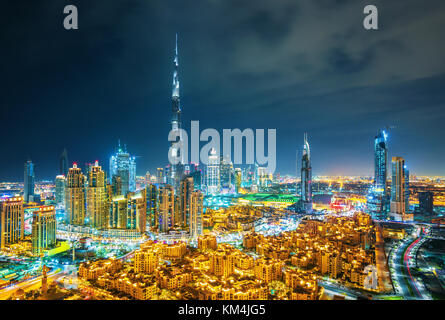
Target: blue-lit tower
(124,166)
(377,202)
(28,187)
(306,177)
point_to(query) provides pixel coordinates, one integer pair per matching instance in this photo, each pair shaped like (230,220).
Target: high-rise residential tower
(75,196)
(12,220)
(195,214)
(213,178)
(60,190)
(166,207)
(398,203)
(97,198)
(160,175)
(306,178)
(43,229)
(186,189)
(28,187)
(124,166)
(63,163)
(407,193)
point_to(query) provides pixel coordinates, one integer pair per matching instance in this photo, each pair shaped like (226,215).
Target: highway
(402,259)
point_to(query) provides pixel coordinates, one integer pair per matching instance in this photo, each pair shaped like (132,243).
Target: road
(402,261)
(29,285)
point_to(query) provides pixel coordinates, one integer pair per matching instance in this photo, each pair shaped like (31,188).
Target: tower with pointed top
(174,176)
(306,177)
(124,166)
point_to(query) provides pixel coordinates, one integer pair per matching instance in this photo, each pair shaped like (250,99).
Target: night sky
(296,66)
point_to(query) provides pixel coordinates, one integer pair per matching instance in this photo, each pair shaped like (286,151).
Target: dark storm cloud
(291,65)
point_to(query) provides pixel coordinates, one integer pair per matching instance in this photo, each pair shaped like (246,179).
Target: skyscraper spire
(175,171)
(306,178)
(175,88)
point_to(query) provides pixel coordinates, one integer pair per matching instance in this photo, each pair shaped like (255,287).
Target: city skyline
(120,88)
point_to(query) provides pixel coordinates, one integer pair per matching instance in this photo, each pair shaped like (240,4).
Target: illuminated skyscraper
(160,175)
(306,178)
(43,229)
(377,202)
(12,220)
(166,207)
(226,170)
(97,198)
(60,190)
(124,166)
(63,163)
(186,189)
(398,203)
(28,187)
(75,196)
(406,186)
(238,177)
(137,212)
(195,214)
(380,160)
(151,196)
(128,212)
(176,170)
(213,174)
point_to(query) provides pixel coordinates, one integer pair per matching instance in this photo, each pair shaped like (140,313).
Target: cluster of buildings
(12,224)
(211,272)
(339,247)
(384,202)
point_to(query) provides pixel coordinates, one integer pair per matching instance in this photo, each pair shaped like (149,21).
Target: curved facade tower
(377,202)
(380,160)
(306,178)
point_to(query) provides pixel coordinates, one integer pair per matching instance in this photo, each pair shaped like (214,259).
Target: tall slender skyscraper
(124,166)
(60,190)
(380,160)
(377,202)
(166,207)
(75,196)
(213,178)
(195,214)
(28,188)
(97,198)
(176,170)
(186,189)
(407,193)
(398,203)
(63,163)
(306,177)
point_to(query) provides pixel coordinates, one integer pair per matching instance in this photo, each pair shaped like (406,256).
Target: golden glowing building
(166,207)
(12,220)
(97,198)
(207,242)
(75,196)
(222,262)
(43,229)
(146,261)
